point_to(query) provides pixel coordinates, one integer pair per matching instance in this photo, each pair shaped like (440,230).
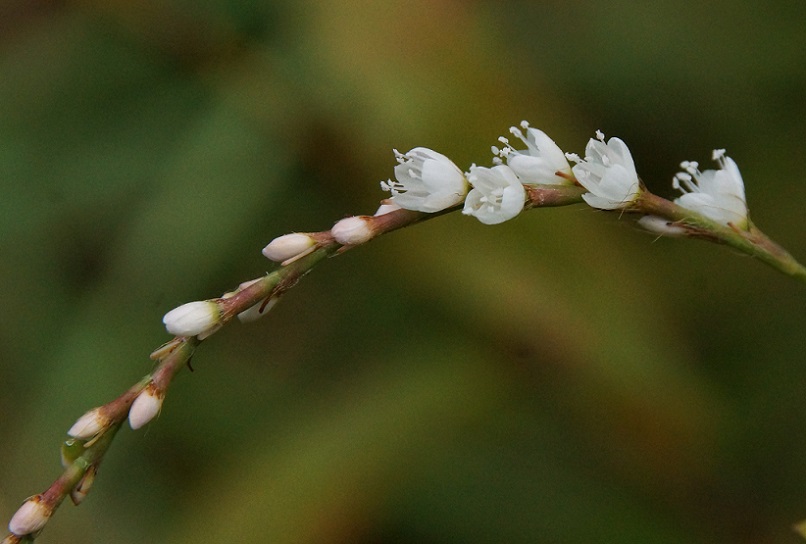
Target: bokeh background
(560,378)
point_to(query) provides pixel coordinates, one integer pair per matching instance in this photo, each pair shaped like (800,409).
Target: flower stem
(752,241)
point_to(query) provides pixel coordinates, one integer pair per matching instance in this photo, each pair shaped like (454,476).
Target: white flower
(30,517)
(289,246)
(200,318)
(352,231)
(146,406)
(608,173)
(427,181)
(541,161)
(716,194)
(497,195)
(89,425)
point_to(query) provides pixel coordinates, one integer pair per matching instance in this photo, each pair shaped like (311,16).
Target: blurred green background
(560,378)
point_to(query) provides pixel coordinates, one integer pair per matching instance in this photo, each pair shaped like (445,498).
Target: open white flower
(497,196)
(608,173)
(426,181)
(716,194)
(541,161)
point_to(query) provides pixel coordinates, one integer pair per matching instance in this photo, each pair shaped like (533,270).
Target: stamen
(684,182)
(693,165)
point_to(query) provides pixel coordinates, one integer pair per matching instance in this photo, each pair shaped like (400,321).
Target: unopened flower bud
(146,406)
(353,230)
(80,491)
(89,425)
(662,226)
(199,318)
(288,247)
(255,312)
(30,517)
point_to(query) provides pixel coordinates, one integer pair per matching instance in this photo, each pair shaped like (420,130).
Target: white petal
(512,201)
(549,150)
(618,148)
(618,185)
(439,201)
(601,203)
(534,170)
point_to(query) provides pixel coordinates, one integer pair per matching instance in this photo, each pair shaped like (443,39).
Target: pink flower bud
(353,230)
(30,517)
